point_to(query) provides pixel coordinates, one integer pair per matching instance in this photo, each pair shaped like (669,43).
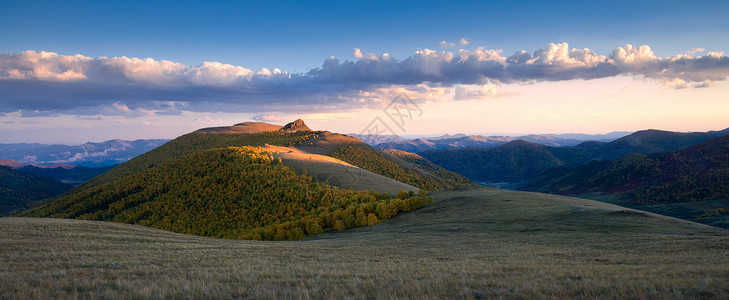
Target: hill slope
(470,243)
(698,173)
(654,141)
(451,178)
(20,190)
(68,174)
(193,142)
(229,193)
(241,128)
(378,162)
(512,162)
(326,169)
(521,160)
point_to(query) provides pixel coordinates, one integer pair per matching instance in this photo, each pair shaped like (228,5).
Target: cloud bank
(37,82)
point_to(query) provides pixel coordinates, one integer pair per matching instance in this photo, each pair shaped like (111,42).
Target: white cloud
(464,41)
(266,118)
(446,44)
(695,50)
(45,82)
(678,83)
(475,92)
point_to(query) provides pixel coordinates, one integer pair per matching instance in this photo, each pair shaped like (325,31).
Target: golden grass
(338,173)
(470,243)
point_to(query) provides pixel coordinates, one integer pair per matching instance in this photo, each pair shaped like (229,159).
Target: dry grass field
(470,243)
(325,168)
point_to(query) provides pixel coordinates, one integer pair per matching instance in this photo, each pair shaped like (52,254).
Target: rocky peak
(295,126)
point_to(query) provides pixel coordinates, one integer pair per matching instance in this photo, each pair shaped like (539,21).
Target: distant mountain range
(462,141)
(520,160)
(68,174)
(103,154)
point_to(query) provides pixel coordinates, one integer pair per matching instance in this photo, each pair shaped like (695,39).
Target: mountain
(654,141)
(521,160)
(512,162)
(448,136)
(693,175)
(68,174)
(462,141)
(606,138)
(19,190)
(282,184)
(295,126)
(452,178)
(235,192)
(102,154)
(424,144)
(242,128)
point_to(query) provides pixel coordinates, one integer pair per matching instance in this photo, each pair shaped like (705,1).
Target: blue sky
(297,37)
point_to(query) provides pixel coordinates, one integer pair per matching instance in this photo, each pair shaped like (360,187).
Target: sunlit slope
(326,169)
(241,128)
(193,142)
(469,243)
(314,142)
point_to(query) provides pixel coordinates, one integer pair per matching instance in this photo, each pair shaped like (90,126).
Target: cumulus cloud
(48,82)
(266,118)
(446,44)
(464,41)
(475,92)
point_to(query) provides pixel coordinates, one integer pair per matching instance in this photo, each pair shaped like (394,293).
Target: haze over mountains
(460,140)
(111,152)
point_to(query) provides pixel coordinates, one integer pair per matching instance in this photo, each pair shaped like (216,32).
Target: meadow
(470,243)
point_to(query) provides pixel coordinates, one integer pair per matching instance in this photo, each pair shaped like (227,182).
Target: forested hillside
(193,142)
(449,177)
(512,162)
(654,141)
(369,159)
(698,173)
(20,190)
(236,192)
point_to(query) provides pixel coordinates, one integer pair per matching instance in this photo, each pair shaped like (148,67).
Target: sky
(78,71)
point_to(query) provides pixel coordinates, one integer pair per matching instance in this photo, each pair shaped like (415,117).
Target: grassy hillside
(373,160)
(512,162)
(470,243)
(332,171)
(193,142)
(696,174)
(20,190)
(238,193)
